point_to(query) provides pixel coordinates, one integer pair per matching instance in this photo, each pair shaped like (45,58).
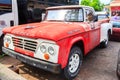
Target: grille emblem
(23,42)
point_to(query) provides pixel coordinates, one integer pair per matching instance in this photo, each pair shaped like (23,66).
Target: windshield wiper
(56,20)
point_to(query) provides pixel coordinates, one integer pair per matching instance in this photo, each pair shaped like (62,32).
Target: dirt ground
(99,64)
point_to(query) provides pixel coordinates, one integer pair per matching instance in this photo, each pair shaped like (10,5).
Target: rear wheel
(74,63)
(104,44)
(117,72)
(118,66)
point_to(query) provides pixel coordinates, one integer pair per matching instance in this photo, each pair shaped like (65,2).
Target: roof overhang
(115,5)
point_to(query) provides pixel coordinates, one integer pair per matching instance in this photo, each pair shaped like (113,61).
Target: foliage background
(96,4)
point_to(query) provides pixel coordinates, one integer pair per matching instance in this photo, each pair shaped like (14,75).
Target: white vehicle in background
(15,12)
(103,15)
(8,14)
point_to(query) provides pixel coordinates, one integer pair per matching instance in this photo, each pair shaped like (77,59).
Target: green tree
(93,3)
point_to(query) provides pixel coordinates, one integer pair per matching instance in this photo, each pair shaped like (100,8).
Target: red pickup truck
(59,43)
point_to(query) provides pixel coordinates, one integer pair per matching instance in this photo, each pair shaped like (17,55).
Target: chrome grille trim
(25,44)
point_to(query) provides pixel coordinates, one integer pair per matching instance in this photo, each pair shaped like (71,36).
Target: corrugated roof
(5,1)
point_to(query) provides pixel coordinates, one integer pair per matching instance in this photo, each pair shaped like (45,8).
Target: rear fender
(105,27)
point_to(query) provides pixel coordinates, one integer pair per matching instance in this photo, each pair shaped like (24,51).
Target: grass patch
(2,55)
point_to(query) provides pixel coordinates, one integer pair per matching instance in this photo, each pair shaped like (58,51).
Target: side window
(75,15)
(89,15)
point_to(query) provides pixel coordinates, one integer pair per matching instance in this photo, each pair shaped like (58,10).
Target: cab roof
(68,6)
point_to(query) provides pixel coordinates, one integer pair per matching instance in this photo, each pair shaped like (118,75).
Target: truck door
(94,33)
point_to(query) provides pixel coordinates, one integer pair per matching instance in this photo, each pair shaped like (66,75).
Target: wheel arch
(2,35)
(106,28)
(1,43)
(79,44)
(110,31)
(75,42)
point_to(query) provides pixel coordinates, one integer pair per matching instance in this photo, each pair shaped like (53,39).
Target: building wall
(46,3)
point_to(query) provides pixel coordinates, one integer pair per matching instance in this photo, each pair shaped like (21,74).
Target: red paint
(115,8)
(8,5)
(65,34)
(90,39)
(46,30)
(25,52)
(116,34)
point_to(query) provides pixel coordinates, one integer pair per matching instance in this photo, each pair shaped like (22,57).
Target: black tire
(75,58)
(117,72)
(1,44)
(118,67)
(104,44)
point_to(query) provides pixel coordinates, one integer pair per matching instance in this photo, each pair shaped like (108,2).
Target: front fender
(65,47)
(74,40)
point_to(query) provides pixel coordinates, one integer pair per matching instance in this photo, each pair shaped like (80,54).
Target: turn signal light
(46,56)
(6,44)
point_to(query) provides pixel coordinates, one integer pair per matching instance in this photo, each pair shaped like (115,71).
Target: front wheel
(74,63)
(1,44)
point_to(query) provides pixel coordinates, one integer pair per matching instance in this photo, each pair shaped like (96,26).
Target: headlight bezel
(51,48)
(7,39)
(50,57)
(43,47)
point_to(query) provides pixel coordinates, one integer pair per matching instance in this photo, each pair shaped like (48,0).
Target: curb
(7,74)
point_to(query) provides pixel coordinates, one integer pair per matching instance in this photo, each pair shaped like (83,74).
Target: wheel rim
(106,42)
(74,63)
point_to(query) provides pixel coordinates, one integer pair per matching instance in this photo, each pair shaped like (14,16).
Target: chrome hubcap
(74,63)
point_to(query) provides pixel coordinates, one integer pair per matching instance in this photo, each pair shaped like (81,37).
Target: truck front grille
(25,44)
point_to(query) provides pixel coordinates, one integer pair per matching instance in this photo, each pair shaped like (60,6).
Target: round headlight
(7,39)
(51,50)
(43,48)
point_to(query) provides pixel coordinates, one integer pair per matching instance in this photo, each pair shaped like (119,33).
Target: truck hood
(47,30)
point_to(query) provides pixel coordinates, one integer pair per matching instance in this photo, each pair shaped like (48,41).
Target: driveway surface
(99,64)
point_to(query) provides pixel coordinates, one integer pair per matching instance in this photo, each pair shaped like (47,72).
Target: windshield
(69,15)
(5,6)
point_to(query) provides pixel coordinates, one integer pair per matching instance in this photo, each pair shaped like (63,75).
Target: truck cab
(58,43)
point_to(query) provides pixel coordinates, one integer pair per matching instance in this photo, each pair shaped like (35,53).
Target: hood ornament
(29,27)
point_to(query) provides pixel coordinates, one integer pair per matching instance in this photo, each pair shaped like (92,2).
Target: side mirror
(95,18)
